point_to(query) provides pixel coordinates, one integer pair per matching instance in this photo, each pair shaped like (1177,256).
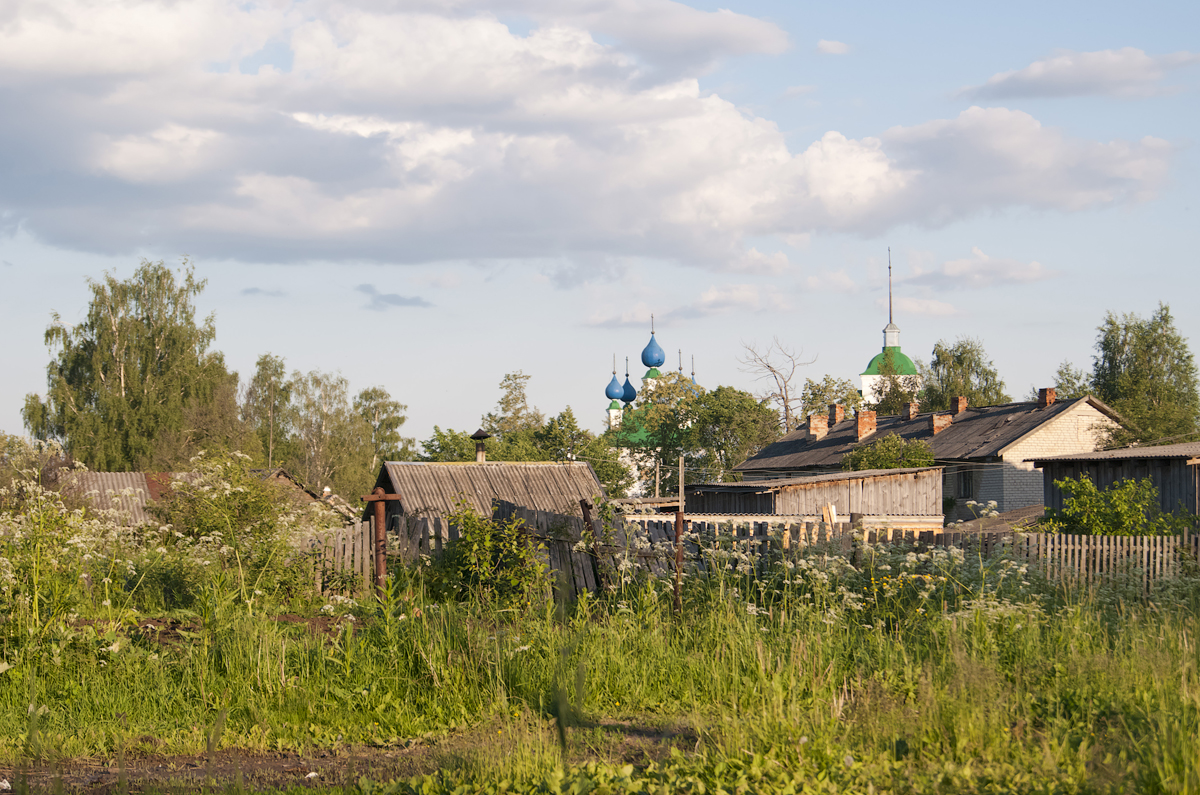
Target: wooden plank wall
(1175,480)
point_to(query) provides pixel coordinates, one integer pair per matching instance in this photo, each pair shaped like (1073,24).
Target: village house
(986,452)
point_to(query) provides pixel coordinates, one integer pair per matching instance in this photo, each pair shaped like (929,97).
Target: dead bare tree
(776,364)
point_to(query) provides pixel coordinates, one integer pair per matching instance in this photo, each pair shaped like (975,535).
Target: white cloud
(919,306)
(828,47)
(1127,72)
(728,298)
(755,261)
(832,281)
(977,271)
(437,134)
(164,155)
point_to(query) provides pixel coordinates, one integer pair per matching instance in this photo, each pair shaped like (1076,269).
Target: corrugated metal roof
(434,489)
(977,433)
(1186,450)
(767,485)
(126,492)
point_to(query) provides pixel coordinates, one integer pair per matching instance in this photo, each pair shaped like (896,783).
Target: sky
(427,195)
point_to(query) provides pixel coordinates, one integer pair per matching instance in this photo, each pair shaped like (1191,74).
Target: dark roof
(436,488)
(827,477)
(977,433)
(1187,450)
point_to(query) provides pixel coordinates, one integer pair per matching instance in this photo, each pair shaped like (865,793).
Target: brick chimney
(960,404)
(866,424)
(940,422)
(818,426)
(837,413)
(1046,397)
(909,412)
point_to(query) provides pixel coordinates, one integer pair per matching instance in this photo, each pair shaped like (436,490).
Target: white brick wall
(1077,430)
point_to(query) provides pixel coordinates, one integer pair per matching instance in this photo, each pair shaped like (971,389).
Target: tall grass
(905,671)
(1070,695)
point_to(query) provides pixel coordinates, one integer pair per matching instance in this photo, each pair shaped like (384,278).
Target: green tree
(1070,382)
(123,379)
(513,413)
(210,422)
(265,406)
(817,396)
(896,388)
(961,370)
(561,439)
(448,446)
(385,417)
(725,427)
(891,452)
(1144,370)
(333,442)
(656,431)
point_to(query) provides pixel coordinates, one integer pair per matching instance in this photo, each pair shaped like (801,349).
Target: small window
(966,482)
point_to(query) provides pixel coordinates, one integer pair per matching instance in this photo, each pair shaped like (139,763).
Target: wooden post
(679,541)
(380,546)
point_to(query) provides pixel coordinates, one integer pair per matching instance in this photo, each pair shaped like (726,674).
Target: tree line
(136,387)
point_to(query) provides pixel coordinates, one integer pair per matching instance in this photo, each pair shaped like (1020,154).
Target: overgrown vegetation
(1126,508)
(893,669)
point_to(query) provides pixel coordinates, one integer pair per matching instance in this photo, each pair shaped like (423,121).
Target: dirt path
(614,741)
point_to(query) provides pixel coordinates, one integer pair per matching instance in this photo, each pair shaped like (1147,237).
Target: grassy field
(909,672)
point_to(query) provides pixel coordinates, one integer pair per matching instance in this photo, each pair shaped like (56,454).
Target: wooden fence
(339,552)
(584,558)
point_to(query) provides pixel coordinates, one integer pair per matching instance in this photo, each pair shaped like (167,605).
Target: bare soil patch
(621,742)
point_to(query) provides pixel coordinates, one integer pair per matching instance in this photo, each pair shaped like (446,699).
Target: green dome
(903,364)
(651,373)
(614,406)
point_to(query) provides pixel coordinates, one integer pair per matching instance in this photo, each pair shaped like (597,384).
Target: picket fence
(589,558)
(337,553)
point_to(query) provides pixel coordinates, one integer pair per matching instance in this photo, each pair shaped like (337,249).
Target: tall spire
(889,285)
(891,333)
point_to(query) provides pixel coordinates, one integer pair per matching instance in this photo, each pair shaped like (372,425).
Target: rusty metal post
(380,544)
(679,541)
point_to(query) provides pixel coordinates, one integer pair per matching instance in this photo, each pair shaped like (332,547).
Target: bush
(1126,508)
(492,561)
(890,452)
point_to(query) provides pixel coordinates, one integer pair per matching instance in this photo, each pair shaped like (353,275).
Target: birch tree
(120,381)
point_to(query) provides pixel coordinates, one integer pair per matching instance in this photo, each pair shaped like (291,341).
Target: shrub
(492,561)
(1126,508)
(891,452)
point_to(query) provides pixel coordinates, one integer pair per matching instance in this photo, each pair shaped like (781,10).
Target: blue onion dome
(629,394)
(614,390)
(653,355)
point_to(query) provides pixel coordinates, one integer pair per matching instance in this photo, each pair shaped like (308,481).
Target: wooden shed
(878,496)
(1173,468)
(430,492)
